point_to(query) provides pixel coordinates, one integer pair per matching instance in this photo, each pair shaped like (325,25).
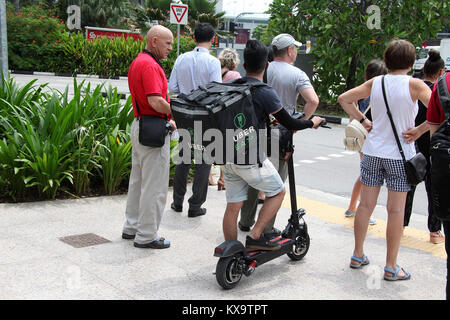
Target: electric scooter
(235,260)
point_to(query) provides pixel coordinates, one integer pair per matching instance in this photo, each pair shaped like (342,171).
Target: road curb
(62,74)
(74,75)
(330,119)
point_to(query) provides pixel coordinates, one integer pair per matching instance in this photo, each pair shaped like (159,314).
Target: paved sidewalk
(36,264)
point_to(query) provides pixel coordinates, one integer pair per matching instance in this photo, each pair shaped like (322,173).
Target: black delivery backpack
(440,156)
(228,108)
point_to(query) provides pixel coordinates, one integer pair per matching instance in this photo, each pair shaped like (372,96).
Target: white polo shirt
(192,69)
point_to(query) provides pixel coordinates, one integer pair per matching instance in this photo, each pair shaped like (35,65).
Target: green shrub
(50,144)
(113,57)
(35,39)
(38,41)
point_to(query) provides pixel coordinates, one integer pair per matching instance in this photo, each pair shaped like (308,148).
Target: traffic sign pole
(178,40)
(178,16)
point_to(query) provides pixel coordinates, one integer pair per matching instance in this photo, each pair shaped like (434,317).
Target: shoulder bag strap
(367,109)
(392,121)
(444,95)
(137,108)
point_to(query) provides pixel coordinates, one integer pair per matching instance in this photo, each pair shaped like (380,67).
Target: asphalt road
(322,163)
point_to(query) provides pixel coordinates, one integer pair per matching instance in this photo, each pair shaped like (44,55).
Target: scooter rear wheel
(300,247)
(228,272)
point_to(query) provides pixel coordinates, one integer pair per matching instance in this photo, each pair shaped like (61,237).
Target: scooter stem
(291,174)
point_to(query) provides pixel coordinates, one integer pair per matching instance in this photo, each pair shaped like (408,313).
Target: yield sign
(178,13)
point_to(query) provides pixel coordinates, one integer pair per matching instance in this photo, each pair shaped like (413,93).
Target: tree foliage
(159,10)
(346,36)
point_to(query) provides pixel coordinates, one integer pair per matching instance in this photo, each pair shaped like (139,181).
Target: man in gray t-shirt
(288,81)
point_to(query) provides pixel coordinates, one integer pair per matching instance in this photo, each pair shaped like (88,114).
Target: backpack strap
(444,95)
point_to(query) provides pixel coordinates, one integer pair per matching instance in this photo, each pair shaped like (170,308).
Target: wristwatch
(362,120)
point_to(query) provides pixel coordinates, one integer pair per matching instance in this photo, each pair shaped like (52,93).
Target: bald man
(149,179)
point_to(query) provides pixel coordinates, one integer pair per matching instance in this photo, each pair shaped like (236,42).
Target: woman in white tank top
(381,160)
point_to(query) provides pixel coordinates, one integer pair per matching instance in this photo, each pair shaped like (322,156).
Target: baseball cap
(284,40)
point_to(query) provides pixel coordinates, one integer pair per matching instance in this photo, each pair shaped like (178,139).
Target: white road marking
(307,161)
(333,155)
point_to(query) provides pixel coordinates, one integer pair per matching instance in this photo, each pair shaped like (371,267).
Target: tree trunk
(351,77)
(17,5)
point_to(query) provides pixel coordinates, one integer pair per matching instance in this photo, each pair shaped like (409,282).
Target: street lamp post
(3,40)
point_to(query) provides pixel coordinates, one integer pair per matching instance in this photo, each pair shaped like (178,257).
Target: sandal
(395,276)
(437,237)
(364,260)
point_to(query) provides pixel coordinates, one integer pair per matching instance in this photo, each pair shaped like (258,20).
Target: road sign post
(178,16)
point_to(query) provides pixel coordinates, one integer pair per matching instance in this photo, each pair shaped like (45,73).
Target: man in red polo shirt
(435,113)
(149,179)
(435,116)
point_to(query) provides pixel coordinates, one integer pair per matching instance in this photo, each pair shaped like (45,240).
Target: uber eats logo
(242,136)
(239,121)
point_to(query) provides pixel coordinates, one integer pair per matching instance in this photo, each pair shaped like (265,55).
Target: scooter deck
(263,256)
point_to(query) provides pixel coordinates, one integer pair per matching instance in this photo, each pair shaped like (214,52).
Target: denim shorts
(264,178)
(375,170)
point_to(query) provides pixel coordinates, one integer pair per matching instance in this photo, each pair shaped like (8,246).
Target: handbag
(152,129)
(416,167)
(355,134)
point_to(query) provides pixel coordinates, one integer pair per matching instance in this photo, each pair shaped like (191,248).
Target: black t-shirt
(265,100)
(423,143)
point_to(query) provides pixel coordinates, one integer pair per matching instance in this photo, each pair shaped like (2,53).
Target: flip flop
(364,260)
(395,276)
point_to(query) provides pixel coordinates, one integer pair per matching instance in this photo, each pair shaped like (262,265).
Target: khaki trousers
(248,210)
(148,187)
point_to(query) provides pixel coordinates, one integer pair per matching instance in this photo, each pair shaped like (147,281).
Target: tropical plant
(94,13)
(142,17)
(347,34)
(115,159)
(50,143)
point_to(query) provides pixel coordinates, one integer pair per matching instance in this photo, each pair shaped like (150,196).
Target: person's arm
(433,128)
(173,82)
(312,101)
(420,91)
(348,101)
(290,123)
(413,134)
(216,71)
(159,104)
(435,113)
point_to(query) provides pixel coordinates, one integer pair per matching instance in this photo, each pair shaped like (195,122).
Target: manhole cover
(84,240)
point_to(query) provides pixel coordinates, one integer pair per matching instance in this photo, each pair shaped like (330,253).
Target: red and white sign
(93,33)
(178,13)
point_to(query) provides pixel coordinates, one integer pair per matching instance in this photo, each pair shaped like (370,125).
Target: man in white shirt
(191,70)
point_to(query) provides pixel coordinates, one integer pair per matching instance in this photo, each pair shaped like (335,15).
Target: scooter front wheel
(300,247)
(229,272)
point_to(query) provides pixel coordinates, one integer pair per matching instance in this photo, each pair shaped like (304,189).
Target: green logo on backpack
(239,121)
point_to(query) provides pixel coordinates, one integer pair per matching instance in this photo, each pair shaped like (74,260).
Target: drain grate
(84,240)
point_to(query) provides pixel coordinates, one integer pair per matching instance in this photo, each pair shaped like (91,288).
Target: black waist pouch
(153,131)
